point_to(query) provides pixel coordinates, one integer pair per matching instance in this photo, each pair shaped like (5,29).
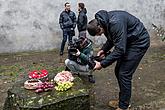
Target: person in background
(82,20)
(67,23)
(130,40)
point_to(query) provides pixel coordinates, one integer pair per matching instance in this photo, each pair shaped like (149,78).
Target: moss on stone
(76,98)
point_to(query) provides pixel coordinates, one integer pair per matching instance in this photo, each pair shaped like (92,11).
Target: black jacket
(67,20)
(82,20)
(123,31)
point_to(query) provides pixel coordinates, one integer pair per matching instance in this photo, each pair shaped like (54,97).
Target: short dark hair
(93,27)
(81,5)
(66,3)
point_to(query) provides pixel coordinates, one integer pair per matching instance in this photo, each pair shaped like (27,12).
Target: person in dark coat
(67,23)
(130,40)
(82,20)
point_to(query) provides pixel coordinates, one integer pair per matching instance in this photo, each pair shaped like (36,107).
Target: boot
(91,78)
(114,103)
(67,69)
(61,53)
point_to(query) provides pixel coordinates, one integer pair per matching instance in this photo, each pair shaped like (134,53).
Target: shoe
(114,103)
(119,109)
(61,53)
(91,78)
(122,109)
(67,69)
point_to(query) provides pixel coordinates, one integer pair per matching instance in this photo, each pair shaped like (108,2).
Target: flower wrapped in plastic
(64,76)
(64,81)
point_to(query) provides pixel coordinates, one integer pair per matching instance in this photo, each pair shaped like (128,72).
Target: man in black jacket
(82,20)
(130,40)
(67,23)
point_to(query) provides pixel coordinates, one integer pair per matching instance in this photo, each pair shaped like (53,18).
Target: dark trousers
(124,70)
(66,34)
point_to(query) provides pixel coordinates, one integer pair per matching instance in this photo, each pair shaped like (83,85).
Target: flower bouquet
(64,81)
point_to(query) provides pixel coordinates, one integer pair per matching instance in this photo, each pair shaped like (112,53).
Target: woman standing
(82,20)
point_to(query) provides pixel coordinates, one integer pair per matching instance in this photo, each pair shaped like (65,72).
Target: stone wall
(28,25)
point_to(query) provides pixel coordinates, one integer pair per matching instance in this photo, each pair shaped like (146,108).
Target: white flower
(64,76)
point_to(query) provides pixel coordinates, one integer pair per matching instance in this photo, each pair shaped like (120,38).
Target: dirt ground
(148,81)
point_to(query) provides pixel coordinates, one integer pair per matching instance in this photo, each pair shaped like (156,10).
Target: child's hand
(78,53)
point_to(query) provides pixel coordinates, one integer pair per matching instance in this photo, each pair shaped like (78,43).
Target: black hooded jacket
(82,20)
(67,20)
(124,32)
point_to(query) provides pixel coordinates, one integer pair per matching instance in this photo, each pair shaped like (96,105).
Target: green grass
(20,70)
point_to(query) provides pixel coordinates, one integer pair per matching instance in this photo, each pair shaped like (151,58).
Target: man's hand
(97,66)
(78,53)
(101,54)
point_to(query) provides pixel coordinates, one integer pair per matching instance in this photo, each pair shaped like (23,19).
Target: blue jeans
(124,70)
(77,68)
(66,34)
